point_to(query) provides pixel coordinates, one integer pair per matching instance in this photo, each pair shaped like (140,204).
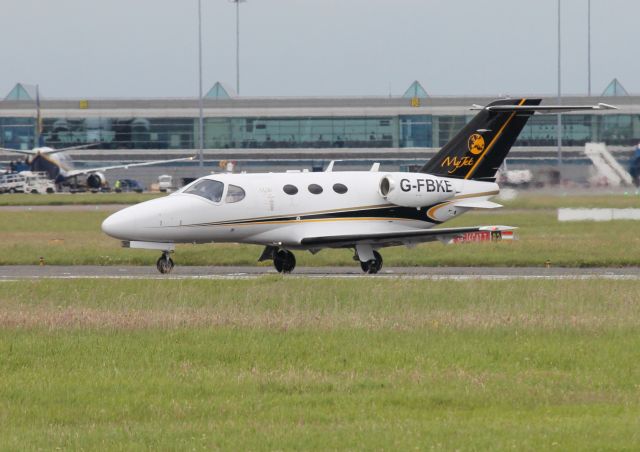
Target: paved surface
(19,272)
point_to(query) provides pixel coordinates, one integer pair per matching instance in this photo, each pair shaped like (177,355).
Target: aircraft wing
(48,151)
(398,238)
(79,172)
(71,148)
(19,151)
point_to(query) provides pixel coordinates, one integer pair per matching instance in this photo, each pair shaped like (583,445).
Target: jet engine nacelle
(96,181)
(415,189)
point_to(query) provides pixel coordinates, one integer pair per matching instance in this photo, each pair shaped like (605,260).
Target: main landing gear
(372,266)
(164,263)
(283,260)
(370,259)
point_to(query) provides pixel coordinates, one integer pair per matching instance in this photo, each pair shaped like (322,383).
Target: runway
(20,272)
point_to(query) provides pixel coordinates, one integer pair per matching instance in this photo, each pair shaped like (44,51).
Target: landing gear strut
(372,266)
(284,261)
(164,263)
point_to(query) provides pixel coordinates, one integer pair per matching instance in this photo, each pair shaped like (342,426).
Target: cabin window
(341,189)
(290,189)
(315,189)
(208,189)
(234,194)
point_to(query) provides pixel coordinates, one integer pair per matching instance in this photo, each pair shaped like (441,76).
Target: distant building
(414,120)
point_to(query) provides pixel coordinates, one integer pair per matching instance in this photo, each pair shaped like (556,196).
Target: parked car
(128,185)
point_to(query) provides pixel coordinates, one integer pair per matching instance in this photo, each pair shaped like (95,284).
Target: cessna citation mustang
(59,166)
(363,211)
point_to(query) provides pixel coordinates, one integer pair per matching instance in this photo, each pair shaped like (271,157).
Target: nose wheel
(372,266)
(164,264)
(284,261)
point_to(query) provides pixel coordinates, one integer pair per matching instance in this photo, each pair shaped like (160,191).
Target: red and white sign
(483,236)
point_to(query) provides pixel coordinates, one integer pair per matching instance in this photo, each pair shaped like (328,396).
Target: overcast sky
(148,48)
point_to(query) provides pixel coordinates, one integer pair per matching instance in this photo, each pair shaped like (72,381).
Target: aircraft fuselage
(283,208)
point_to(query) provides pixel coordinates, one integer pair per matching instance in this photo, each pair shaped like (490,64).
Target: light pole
(237,2)
(559,125)
(200,102)
(589,47)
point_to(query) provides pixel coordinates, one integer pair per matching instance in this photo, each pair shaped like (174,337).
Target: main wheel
(164,264)
(372,266)
(284,261)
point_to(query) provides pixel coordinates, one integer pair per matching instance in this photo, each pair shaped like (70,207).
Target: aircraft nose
(119,225)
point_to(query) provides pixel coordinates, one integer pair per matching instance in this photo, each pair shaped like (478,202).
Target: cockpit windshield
(208,189)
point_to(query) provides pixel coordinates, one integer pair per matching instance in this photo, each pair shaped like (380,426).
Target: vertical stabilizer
(478,150)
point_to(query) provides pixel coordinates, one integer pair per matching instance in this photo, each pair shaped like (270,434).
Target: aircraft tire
(164,264)
(284,261)
(372,266)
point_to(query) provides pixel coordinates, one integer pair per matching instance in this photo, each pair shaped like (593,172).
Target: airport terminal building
(401,129)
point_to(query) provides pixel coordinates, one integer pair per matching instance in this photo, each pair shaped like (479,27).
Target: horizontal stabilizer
(548,109)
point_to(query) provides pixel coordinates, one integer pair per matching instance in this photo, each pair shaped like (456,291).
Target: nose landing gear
(164,263)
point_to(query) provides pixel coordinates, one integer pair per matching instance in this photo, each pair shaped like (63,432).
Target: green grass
(62,199)
(281,363)
(534,200)
(75,238)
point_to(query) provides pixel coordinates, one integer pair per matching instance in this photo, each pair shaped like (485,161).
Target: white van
(165,183)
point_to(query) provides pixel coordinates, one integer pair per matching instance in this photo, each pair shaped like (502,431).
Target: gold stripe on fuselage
(320,220)
(318,212)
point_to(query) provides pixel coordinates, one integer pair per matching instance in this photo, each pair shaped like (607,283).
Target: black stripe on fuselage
(391,212)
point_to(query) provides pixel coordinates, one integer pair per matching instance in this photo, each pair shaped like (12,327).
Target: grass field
(277,363)
(75,238)
(62,199)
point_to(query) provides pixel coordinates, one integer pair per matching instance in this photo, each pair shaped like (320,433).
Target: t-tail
(478,150)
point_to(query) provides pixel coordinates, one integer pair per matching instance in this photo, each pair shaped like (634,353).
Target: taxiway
(25,272)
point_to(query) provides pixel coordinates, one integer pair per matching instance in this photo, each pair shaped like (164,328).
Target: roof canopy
(614,89)
(415,90)
(22,92)
(220,91)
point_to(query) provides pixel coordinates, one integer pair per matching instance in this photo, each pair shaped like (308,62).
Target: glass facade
(400,131)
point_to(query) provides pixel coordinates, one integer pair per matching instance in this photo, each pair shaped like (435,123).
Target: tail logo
(476,144)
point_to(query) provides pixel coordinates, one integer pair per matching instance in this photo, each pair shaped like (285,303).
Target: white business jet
(363,210)
(59,166)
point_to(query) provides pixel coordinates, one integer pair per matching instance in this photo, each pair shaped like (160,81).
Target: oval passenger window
(315,189)
(290,189)
(341,189)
